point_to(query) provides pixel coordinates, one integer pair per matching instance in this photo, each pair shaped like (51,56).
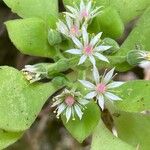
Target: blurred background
(47,132)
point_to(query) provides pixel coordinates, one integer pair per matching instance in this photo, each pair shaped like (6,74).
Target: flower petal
(111,96)
(69,21)
(89,6)
(68,113)
(92,60)
(101,101)
(101,57)
(78,111)
(62,28)
(91,95)
(96,75)
(85,35)
(82,59)
(115,84)
(109,76)
(83,101)
(61,108)
(82,6)
(69,14)
(73,10)
(95,39)
(74,51)
(102,48)
(77,42)
(87,84)
(56,103)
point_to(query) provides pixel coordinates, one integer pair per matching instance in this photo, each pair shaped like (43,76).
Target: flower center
(148,56)
(74,30)
(84,14)
(101,88)
(69,101)
(88,49)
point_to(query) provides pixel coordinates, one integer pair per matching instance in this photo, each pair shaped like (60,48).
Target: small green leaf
(135,96)
(21,101)
(30,37)
(103,139)
(81,129)
(44,9)
(133,129)
(8,138)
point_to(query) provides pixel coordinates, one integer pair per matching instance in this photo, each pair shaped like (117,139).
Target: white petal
(78,111)
(71,15)
(91,95)
(114,84)
(68,113)
(96,10)
(101,57)
(85,35)
(82,59)
(61,108)
(77,42)
(96,75)
(101,101)
(56,103)
(83,101)
(69,21)
(109,76)
(87,84)
(82,5)
(62,28)
(102,48)
(89,5)
(95,39)
(92,60)
(74,51)
(73,10)
(111,96)
(145,64)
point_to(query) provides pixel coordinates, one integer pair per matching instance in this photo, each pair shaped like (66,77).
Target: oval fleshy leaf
(44,9)
(81,129)
(103,139)
(7,138)
(20,101)
(133,128)
(30,36)
(135,96)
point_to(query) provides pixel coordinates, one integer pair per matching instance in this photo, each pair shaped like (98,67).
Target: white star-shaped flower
(102,88)
(71,28)
(85,12)
(89,48)
(33,73)
(69,103)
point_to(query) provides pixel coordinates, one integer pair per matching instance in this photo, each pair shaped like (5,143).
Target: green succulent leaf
(21,101)
(81,129)
(127,9)
(44,9)
(135,96)
(138,37)
(133,128)
(30,37)
(7,138)
(103,139)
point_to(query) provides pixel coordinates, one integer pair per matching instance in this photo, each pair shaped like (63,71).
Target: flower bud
(54,37)
(115,46)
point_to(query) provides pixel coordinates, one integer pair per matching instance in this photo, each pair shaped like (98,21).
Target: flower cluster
(88,47)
